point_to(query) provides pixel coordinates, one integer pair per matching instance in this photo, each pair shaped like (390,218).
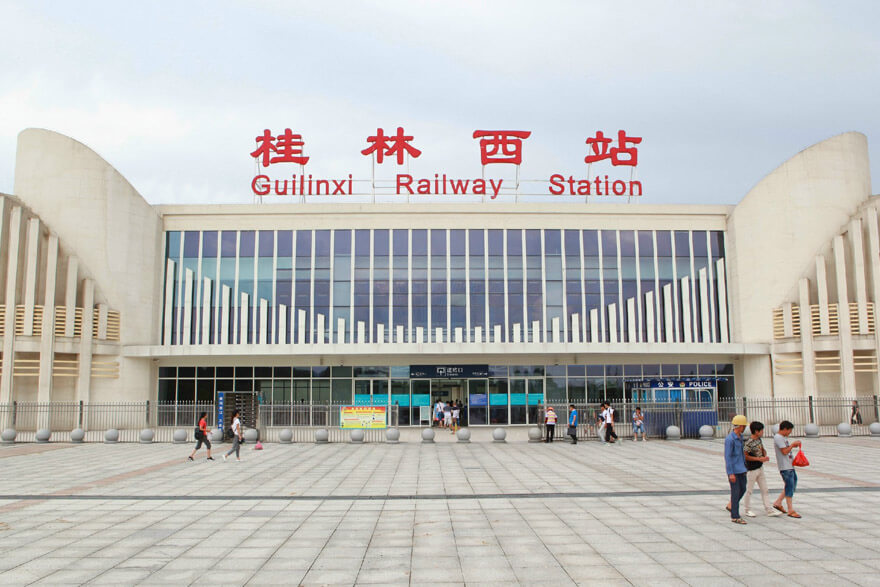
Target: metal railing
(826,413)
(303,419)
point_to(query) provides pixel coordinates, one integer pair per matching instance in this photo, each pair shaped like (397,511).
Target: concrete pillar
(847,369)
(874,249)
(10,300)
(47,336)
(807,351)
(83,381)
(32,262)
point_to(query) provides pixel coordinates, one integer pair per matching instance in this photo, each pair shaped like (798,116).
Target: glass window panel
(267,243)
(228,243)
(247,243)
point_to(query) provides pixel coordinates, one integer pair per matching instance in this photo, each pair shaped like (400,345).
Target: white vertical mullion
(236,326)
(449,335)
(638,301)
(330,308)
(199,292)
(657,295)
(311,326)
(351,321)
(486,321)
(409,331)
(507,330)
(524,329)
(274,317)
(371,335)
(620,305)
(430,317)
(291,312)
(583,279)
(468,337)
(544,324)
(563,257)
(390,325)
(711,287)
(602,310)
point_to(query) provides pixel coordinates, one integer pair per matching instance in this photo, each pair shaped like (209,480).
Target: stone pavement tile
(865,580)
(239,564)
(496,574)
(264,577)
(420,575)
(383,576)
(330,577)
(333,563)
(224,577)
(631,571)
(68,577)
(714,582)
(693,570)
(666,558)
(535,574)
(633,557)
(660,582)
(120,577)
(584,573)
(284,563)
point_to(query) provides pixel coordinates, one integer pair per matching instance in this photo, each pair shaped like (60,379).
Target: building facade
(504,306)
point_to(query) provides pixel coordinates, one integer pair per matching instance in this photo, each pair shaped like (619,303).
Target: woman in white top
(236,436)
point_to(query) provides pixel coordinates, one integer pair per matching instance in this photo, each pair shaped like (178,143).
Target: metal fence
(827,413)
(303,419)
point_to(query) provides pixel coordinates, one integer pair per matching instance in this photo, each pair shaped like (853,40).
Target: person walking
(600,423)
(447,416)
(856,416)
(639,425)
(550,423)
(784,460)
(236,436)
(573,423)
(609,424)
(756,456)
(734,460)
(201,435)
(456,414)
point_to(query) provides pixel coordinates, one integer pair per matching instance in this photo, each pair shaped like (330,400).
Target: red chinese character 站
(390,145)
(600,144)
(507,142)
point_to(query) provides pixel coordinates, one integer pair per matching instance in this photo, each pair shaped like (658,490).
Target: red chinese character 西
(286,146)
(501,146)
(600,147)
(390,145)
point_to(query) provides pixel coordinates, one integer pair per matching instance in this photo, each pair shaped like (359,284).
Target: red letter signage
(288,147)
(600,144)
(508,142)
(399,144)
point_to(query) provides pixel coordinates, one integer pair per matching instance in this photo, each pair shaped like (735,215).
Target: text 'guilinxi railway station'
(400,291)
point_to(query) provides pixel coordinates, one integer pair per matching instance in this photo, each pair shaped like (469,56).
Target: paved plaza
(639,513)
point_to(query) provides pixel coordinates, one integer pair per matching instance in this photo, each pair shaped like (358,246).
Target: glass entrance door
(478,402)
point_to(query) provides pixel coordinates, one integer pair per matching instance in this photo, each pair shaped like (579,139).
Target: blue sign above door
(448,371)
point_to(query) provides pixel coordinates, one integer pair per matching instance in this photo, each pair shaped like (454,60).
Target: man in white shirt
(609,424)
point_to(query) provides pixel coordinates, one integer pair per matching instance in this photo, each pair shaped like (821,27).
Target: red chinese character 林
(383,145)
(600,146)
(501,146)
(287,146)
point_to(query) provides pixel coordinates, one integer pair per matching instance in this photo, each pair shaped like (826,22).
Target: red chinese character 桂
(288,147)
(265,147)
(390,145)
(501,146)
(600,144)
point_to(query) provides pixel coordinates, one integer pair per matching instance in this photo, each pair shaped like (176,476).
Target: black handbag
(572,431)
(198,433)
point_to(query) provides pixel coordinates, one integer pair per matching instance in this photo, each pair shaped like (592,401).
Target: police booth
(686,403)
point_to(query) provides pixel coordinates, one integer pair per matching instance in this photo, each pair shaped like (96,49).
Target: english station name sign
(497,147)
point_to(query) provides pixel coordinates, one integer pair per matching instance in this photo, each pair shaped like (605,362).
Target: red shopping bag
(800,460)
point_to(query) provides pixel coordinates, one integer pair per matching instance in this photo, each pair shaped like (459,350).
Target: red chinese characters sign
(495,147)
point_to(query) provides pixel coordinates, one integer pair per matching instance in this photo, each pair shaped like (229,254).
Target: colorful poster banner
(365,417)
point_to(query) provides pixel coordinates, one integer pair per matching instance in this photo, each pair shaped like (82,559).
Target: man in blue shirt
(573,423)
(735,461)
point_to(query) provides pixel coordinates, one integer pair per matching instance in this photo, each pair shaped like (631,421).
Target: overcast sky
(173,93)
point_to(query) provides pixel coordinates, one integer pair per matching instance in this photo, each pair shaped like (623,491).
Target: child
(639,425)
(784,460)
(756,456)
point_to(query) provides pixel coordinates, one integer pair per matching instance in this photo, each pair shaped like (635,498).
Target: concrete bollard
(356,436)
(77,435)
(251,435)
(707,432)
(811,430)
(8,436)
(428,435)
(464,435)
(499,435)
(535,434)
(286,436)
(146,436)
(180,436)
(392,435)
(322,435)
(111,436)
(874,428)
(844,430)
(43,435)
(673,433)
(216,435)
